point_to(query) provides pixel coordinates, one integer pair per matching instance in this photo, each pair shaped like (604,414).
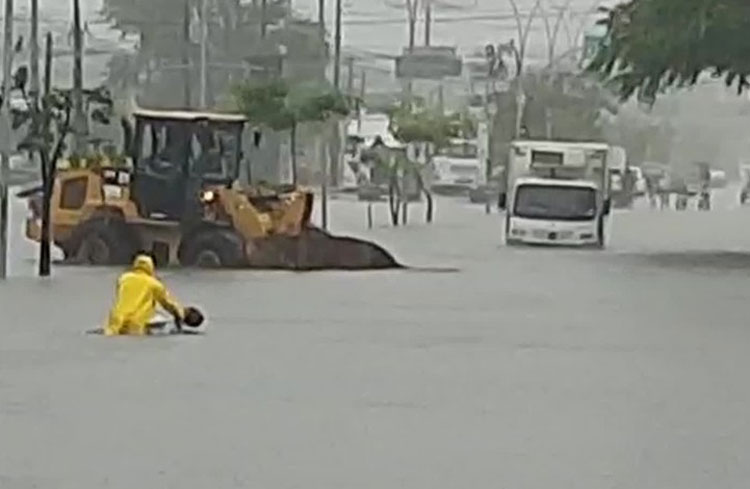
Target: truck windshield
(460,150)
(555,202)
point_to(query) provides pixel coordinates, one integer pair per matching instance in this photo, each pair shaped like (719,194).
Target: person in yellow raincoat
(138,294)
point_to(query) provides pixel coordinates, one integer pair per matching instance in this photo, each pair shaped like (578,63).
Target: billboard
(428,63)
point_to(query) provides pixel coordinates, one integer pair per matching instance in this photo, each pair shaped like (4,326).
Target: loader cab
(177,154)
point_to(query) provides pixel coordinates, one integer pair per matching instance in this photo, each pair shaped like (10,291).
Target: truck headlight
(208,196)
(518,232)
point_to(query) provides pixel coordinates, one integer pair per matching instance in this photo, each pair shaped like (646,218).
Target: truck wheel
(103,241)
(600,230)
(217,248)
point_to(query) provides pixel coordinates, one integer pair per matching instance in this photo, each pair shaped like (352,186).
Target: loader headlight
(208,196)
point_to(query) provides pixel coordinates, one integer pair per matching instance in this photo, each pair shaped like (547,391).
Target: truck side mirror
(607,210)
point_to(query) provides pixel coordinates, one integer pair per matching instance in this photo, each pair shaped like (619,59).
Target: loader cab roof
(560,145)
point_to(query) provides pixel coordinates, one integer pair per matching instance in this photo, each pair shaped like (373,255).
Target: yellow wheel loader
(179,201)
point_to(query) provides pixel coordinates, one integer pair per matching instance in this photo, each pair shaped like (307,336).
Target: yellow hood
(144,264)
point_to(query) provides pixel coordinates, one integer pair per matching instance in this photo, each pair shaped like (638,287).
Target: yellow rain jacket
(138,293)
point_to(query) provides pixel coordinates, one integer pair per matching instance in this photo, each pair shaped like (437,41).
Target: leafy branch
(657,44)
(279,106)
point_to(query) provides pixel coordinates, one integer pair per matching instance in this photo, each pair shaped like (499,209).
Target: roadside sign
(431,63)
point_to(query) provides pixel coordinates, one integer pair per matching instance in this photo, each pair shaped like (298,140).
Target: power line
(450,20)
(368,20)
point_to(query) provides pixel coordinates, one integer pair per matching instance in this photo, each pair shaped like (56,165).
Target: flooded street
(525,368)
(480,366)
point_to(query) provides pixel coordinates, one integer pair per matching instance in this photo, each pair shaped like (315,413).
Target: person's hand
(178,323)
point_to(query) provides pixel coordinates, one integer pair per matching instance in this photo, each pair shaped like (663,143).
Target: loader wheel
(102,242)
(213,249)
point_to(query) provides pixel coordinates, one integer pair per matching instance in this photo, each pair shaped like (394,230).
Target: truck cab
(457,168)
(559,193)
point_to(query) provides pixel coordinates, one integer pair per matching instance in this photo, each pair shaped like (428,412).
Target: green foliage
(279,106)
(655,44)
(426,126)
(567,106)
(234,39)
(464,125)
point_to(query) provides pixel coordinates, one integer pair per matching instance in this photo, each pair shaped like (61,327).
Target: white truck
(457,168)
(558,193)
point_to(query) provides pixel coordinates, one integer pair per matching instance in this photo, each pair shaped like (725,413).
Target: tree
(239,46)
(48,122)
(656,44)
(422,126)
(431,131)
(278,106)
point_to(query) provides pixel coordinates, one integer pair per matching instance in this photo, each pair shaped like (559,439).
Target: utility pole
(34,52)
(441,97)
(186,58)
(330,172)
(490,115)
(350,76)
(79,132)
(324,186)
(263,22)
(322,142)
(322,18)
(362,95)
(204,54)
(6,123)
(49,169)
(411,7)
(48,64)
(428,22)
(337,48)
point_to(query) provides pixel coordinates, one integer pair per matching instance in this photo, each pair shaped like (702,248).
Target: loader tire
(100,242)
(215,248)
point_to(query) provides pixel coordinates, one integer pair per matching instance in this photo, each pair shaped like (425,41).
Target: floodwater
(526,368)
(523,369)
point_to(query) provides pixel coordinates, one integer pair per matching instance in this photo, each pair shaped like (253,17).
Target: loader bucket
(316,249)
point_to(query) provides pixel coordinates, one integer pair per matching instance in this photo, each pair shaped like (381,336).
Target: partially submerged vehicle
(658,183)
(457,168)
(696,180)
(622,180)
(180,200)
(559,193)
